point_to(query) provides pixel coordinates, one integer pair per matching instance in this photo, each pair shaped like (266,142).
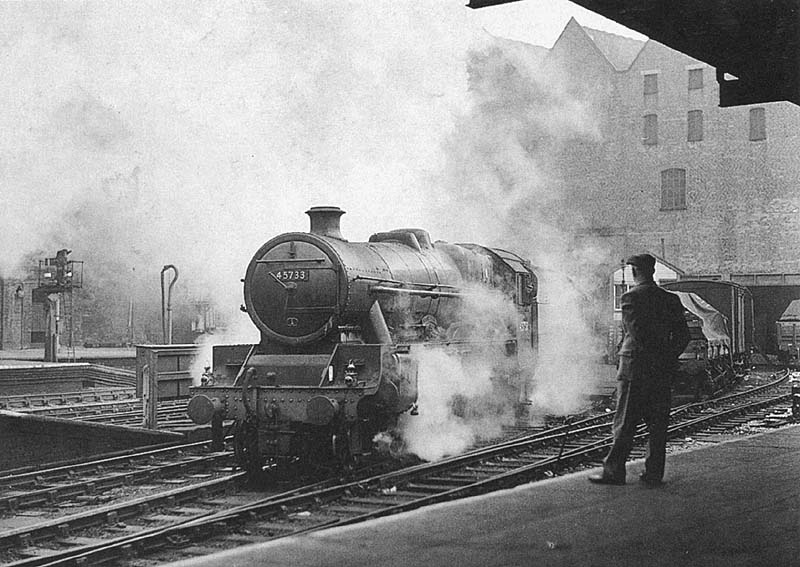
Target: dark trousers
(643,394)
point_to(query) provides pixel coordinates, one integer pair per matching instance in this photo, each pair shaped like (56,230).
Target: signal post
(57,276)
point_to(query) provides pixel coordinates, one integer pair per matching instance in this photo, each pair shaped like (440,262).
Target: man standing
(654,335)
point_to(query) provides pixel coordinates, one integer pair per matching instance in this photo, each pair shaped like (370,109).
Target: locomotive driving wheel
(245,444)
(340,447)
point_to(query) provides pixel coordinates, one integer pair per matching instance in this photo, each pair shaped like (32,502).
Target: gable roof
(620,51)
(792,312)
(574,36)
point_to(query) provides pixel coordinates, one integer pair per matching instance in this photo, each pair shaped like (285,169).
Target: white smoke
(239,331)
(504,186)
(465,396)
(501,186)
(140,134)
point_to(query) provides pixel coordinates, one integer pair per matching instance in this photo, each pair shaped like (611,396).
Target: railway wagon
(735,303)
(706,366)
(342,325)
(721,312)
(788,334)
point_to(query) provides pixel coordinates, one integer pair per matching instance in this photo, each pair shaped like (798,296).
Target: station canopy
(753,45)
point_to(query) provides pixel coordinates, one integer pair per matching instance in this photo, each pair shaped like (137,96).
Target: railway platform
(735,503)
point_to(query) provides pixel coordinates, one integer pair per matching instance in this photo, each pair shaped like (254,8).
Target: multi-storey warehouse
(712,192)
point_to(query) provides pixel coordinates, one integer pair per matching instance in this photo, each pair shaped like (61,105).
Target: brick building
(712,192)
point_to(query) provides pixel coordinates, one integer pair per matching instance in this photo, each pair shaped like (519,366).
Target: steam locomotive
(342,325)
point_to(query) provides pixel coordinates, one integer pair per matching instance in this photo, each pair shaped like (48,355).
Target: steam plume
(503,183)
(462,397)
(142,134)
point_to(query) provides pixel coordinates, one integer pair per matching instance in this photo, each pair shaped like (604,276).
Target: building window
(673,189)
(651,83)
(695,79)
(694,126)
(650,134)
(758,124)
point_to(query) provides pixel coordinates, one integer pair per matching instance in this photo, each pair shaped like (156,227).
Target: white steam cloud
(441,429)
(504,185)
(465,396)
(140,134)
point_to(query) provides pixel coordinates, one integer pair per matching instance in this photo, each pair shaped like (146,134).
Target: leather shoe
(650,481)
(602,479)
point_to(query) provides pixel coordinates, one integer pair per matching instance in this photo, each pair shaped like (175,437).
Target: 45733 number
(291,275)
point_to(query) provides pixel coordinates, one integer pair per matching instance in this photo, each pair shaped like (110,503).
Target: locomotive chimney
(325,221)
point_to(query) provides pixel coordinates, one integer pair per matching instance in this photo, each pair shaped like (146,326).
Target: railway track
(170,412)
(128,412)
(68,486)
(49,504)
(52,402)
(176,525)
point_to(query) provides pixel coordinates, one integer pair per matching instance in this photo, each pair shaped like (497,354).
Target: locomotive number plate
(291,275)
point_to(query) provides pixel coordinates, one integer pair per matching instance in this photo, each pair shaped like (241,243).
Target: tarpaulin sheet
(715,324)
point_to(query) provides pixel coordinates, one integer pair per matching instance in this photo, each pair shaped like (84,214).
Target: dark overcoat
(654,325)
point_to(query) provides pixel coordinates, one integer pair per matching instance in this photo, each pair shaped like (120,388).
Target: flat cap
(645,262)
